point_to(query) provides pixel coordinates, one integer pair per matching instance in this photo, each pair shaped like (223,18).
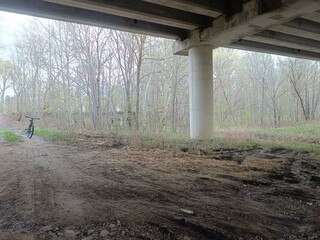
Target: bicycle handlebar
(32,117)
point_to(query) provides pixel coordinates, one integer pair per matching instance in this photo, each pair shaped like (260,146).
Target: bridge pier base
(201,92)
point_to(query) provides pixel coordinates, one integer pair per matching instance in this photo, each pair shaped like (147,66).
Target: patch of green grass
(55,135)
(48,134)
(9,137)
(301,138)
(305,130)
(311,148)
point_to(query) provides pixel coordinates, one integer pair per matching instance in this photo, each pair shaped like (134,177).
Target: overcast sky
(11,24)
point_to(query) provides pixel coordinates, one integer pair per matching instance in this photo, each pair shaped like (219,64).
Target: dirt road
(112,191)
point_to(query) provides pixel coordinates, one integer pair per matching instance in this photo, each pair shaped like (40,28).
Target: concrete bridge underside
(284,27)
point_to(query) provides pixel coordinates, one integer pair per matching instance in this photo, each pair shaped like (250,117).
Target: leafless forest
(92,78)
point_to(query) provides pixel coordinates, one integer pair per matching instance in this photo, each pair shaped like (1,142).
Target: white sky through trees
(10,24)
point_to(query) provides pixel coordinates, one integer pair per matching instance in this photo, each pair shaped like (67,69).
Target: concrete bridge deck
(287,27)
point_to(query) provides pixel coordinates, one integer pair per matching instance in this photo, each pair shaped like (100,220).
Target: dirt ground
(102,189)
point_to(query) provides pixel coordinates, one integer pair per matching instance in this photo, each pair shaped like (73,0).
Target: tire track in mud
(34,195)
(154,196)
(250,215)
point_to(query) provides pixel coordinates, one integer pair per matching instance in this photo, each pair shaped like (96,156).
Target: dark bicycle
(30,129)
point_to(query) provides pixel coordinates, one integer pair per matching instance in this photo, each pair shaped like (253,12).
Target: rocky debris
(112,226)
(104,233)
(87,238)
(47,228)
(70,233)
(95,231)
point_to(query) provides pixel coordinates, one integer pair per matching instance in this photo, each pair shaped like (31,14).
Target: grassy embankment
(304,138)
(300,138)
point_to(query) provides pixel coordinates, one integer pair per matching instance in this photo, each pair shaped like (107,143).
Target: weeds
(56,135)
(9,137)
(227,141)
(300,138)
(48,134)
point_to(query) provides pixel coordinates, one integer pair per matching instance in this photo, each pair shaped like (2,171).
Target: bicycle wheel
(30,132)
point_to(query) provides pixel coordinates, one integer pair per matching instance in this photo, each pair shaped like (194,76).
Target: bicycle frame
(30,129)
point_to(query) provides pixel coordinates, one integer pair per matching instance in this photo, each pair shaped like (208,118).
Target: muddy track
(113,191)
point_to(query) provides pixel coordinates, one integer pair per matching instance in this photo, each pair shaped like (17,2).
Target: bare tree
(260,69)
(91,53)
(140,41)
(124,50)
(224,69)
(275,91)
(5,81)
(304,81)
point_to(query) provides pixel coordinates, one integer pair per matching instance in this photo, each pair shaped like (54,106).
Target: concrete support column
(201,92)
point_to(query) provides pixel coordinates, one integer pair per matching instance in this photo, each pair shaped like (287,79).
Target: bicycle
(30,129)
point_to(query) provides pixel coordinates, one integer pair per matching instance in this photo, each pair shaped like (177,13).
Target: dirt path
(85,191)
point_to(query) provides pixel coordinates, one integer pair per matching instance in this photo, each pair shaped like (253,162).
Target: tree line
(83,77)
